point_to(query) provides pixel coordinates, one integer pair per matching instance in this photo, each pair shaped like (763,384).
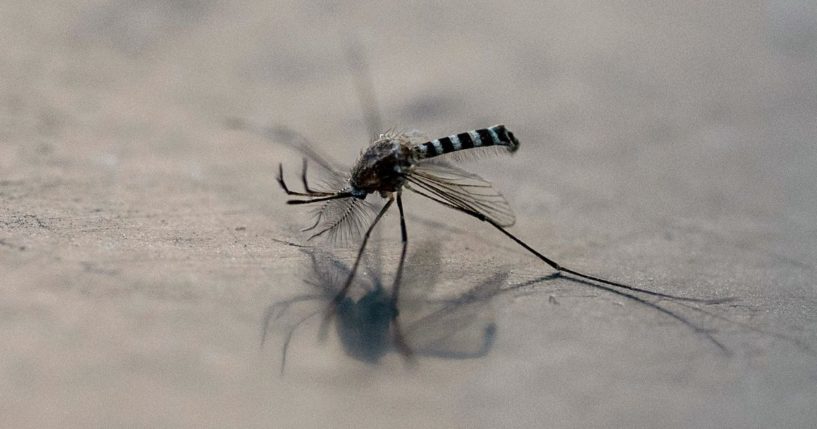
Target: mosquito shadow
(448,327)
(660,305)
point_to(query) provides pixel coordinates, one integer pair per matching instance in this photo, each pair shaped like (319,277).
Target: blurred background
(668,145)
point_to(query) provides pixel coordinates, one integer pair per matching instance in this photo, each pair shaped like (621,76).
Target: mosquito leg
(584,277)
(352,273)
(399,340)
(345,288)
(306,183)
(617,288)
(308,193)
(556,266)
(282,183)
(342,293)
(404,235)
(560,268)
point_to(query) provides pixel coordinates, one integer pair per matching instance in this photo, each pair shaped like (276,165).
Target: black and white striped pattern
(497,135)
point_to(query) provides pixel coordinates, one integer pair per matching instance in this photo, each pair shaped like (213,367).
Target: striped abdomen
(492,136)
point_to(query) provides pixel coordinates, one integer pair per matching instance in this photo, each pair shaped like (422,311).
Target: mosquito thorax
(382,166)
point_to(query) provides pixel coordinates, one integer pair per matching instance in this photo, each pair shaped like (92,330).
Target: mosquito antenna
(364,87)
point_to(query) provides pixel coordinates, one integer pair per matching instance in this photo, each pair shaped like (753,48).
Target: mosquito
(396,161)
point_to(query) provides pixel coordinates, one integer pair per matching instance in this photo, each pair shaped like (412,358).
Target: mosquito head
(358,193)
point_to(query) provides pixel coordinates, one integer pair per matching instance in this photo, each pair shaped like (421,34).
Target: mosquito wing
(452,186)
(298,142)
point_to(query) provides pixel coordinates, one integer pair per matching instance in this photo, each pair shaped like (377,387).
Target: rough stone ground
(670,146)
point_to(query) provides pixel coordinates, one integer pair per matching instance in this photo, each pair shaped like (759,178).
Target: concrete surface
(669,145)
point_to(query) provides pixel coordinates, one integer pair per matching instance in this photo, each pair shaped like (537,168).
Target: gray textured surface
(671,146)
